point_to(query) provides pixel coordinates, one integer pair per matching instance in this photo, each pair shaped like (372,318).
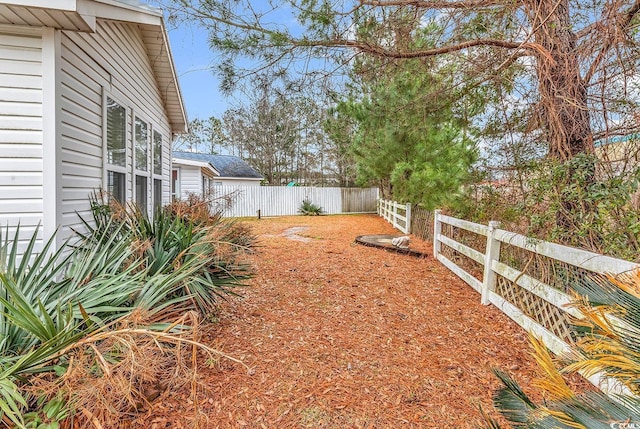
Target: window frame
(106,166)
(176,191)
(135,171)
(130,170)
(156,175)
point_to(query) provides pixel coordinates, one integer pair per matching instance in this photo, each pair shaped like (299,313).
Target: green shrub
(183,232)
(116,304)
(596,209)
(307,208)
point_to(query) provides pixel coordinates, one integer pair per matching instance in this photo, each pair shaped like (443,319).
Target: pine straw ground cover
(339,335)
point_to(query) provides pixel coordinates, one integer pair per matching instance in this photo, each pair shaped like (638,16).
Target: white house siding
(21,125)
(113,60)
(190,180)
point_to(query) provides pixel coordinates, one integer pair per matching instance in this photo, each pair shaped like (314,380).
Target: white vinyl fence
(246,201)
(526,279)
(398,215)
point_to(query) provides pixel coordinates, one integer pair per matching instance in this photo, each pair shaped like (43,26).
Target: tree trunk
(563,110)
(563,113)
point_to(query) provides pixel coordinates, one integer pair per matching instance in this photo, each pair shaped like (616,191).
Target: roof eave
(82,15)
(195,163)
(182,125)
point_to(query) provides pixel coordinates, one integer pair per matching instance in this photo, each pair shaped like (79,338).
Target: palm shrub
(608,344)
(54,302)
(183,232)
(307,208)
(110,312)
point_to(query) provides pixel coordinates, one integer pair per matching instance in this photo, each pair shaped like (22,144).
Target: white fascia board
(193,163)
(63,5)
(123,4)
(111,10)
(241,178)
(174,75)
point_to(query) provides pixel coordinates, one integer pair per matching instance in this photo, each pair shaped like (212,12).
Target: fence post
(437,230)
(394,214)
(492,253)
(407,214)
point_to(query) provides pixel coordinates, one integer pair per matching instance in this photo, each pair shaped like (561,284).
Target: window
(116,186)
(175,184)
(141,164)
(141,193)
(206,185)
(142,145)
(116,134)
(132,156)
(157,153)
(157,194)
(157,170)
(116,150)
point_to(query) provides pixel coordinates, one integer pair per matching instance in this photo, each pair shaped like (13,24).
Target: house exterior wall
(112,62)
(21,129)
(190,180)
(53,90)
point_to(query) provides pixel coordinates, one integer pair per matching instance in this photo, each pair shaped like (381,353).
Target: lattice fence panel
(422,223)
(540,310)
(557,274)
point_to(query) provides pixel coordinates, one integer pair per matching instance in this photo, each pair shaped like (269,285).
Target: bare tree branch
(388,53)
(421,4)
(613,35)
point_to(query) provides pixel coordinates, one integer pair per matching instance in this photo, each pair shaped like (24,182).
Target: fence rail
(527,279)
(516,277)
(245,201)
(398,215)
(521,291)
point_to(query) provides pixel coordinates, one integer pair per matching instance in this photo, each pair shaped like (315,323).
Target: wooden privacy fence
(398,215)
(245,201)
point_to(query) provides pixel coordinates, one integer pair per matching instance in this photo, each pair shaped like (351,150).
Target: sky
(193,61)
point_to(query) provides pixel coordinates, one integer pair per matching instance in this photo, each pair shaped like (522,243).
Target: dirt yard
(339,335)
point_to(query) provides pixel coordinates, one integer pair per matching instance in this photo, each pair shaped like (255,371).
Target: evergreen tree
(409,139)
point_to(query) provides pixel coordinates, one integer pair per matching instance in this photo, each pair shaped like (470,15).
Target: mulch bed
(339,335)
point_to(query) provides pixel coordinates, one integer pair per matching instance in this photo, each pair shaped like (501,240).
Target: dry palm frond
(551,380)
(608,344)
(115,372)
(628,282)
(560,417)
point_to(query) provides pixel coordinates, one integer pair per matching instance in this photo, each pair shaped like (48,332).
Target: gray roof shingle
(226,165)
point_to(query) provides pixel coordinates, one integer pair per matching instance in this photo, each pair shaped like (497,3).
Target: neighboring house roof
(617,139)
(81,15)
(223,165)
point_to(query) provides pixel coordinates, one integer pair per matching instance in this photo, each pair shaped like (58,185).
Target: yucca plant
(608,344)
(183,232)
(54,302)
(119,293)
(307,208)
